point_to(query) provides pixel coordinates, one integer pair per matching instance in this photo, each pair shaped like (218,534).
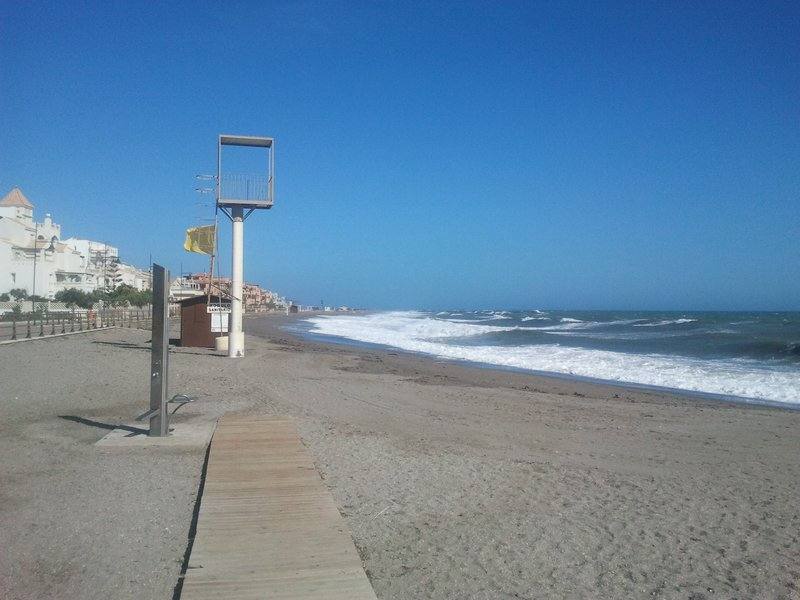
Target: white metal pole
(235,333)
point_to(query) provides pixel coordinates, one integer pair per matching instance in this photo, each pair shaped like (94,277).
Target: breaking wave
(667,322)
(459,340)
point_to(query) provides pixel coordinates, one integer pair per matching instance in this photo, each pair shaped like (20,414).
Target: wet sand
(455,481)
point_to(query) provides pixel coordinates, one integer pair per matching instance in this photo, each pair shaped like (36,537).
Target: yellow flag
(200,239)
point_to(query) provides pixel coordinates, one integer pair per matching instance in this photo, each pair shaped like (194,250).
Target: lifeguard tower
(238,195)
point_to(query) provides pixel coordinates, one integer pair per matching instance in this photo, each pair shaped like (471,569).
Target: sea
(748,356)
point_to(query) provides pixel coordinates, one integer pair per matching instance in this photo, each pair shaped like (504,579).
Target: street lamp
(35,254)
(51,248)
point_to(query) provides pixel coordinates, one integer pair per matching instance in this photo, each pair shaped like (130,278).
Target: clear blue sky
(587,155)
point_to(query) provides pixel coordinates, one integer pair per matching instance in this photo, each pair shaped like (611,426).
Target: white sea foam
(420,333)
(418,325)
(486,315)
(667,322)
(576,324)
(535,318)
(474,320)
(613,335)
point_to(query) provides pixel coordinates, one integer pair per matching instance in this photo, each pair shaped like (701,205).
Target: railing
(241,187)
(16,326)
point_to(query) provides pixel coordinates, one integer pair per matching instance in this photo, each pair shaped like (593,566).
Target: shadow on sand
(108,426)
(173,342)
(135,346)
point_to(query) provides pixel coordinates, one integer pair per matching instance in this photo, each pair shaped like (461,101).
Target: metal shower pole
(159,355)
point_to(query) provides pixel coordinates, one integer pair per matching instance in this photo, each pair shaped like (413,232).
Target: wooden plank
(267,526)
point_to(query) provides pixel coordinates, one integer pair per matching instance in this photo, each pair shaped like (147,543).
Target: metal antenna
(206,190)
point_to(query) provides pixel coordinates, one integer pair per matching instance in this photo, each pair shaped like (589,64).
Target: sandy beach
(455,481)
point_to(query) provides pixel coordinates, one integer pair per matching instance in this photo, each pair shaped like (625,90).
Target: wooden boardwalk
(267,526)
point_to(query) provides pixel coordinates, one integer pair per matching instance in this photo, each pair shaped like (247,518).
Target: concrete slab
(192,434)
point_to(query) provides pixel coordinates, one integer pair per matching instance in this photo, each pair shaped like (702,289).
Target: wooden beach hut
(199,327)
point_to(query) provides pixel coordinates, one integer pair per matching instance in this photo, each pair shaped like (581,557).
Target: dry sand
(456,482)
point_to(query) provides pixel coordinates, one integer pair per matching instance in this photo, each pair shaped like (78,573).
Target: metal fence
(245,187)
(15,326)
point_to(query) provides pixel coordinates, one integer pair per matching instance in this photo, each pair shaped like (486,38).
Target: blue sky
(431,155)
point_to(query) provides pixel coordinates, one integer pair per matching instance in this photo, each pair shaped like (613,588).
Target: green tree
(119,296)
(94,297)
(142,298)
(19,294)
(74,297)
(126,295)
(4,297)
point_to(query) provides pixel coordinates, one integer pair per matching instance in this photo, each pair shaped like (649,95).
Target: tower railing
(245,189)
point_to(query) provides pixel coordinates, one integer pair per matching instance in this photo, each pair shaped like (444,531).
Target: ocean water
(741,355)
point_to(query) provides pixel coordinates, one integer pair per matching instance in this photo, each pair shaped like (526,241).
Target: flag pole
(213,254)
(210,274)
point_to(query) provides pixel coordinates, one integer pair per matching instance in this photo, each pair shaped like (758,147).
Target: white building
(35,258)
(182,287)
(102,259)
(131,276)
